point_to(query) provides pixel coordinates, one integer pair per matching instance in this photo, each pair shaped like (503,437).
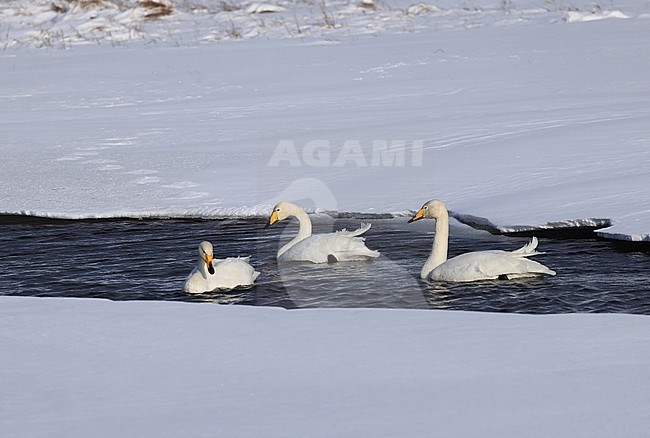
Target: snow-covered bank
(98,368)
(525,120)
(65,23)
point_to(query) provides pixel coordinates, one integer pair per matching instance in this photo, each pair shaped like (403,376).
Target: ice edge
(481,223)
(585,227)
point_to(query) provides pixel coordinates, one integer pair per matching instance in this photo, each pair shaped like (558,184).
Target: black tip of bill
(210,268)
(268,224)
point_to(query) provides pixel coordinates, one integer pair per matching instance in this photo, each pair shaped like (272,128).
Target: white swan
(473,266)
(211,274)
(340,246)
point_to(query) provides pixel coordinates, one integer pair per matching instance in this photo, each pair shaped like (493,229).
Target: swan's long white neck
(303,232)
(440,244)
(202,267)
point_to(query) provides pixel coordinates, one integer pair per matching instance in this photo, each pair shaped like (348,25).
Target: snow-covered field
(521,112)
(524,113)
(99,368)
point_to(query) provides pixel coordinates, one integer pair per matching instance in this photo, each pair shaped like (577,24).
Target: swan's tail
(531,266)
(247,259)
(356,249)
(358,232)
(528,249)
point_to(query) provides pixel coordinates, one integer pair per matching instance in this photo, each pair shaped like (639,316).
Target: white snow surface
(525,113)
(82,367)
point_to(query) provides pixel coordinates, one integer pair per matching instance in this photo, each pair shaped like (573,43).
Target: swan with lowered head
(473,266)
(211,274)
(339,246)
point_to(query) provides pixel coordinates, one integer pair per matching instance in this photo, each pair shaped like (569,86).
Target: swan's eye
(426,207)
(277,209)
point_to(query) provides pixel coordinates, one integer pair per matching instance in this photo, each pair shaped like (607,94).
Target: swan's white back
(319,248)
(490,265)
(233,272)
(227,273)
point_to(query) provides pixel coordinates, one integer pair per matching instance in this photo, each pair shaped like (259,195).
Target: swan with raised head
(339,246)
(473,266)
(211,273)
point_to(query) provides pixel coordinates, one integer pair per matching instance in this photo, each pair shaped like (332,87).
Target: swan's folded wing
(233,272)
(487,265)
(497,265)
(318,247)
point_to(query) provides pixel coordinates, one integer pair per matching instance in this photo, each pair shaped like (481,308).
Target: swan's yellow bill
(419,215)
(208,262)
(208,259)
(273,218)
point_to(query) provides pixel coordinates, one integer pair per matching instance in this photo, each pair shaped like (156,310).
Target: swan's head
(206,254)
(281,211)
(432,209)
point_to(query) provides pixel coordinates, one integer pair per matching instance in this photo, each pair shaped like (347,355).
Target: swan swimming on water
(339,246)
(211,274)
(473,266)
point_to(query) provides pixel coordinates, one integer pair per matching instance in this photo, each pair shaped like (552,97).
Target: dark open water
(149,260)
